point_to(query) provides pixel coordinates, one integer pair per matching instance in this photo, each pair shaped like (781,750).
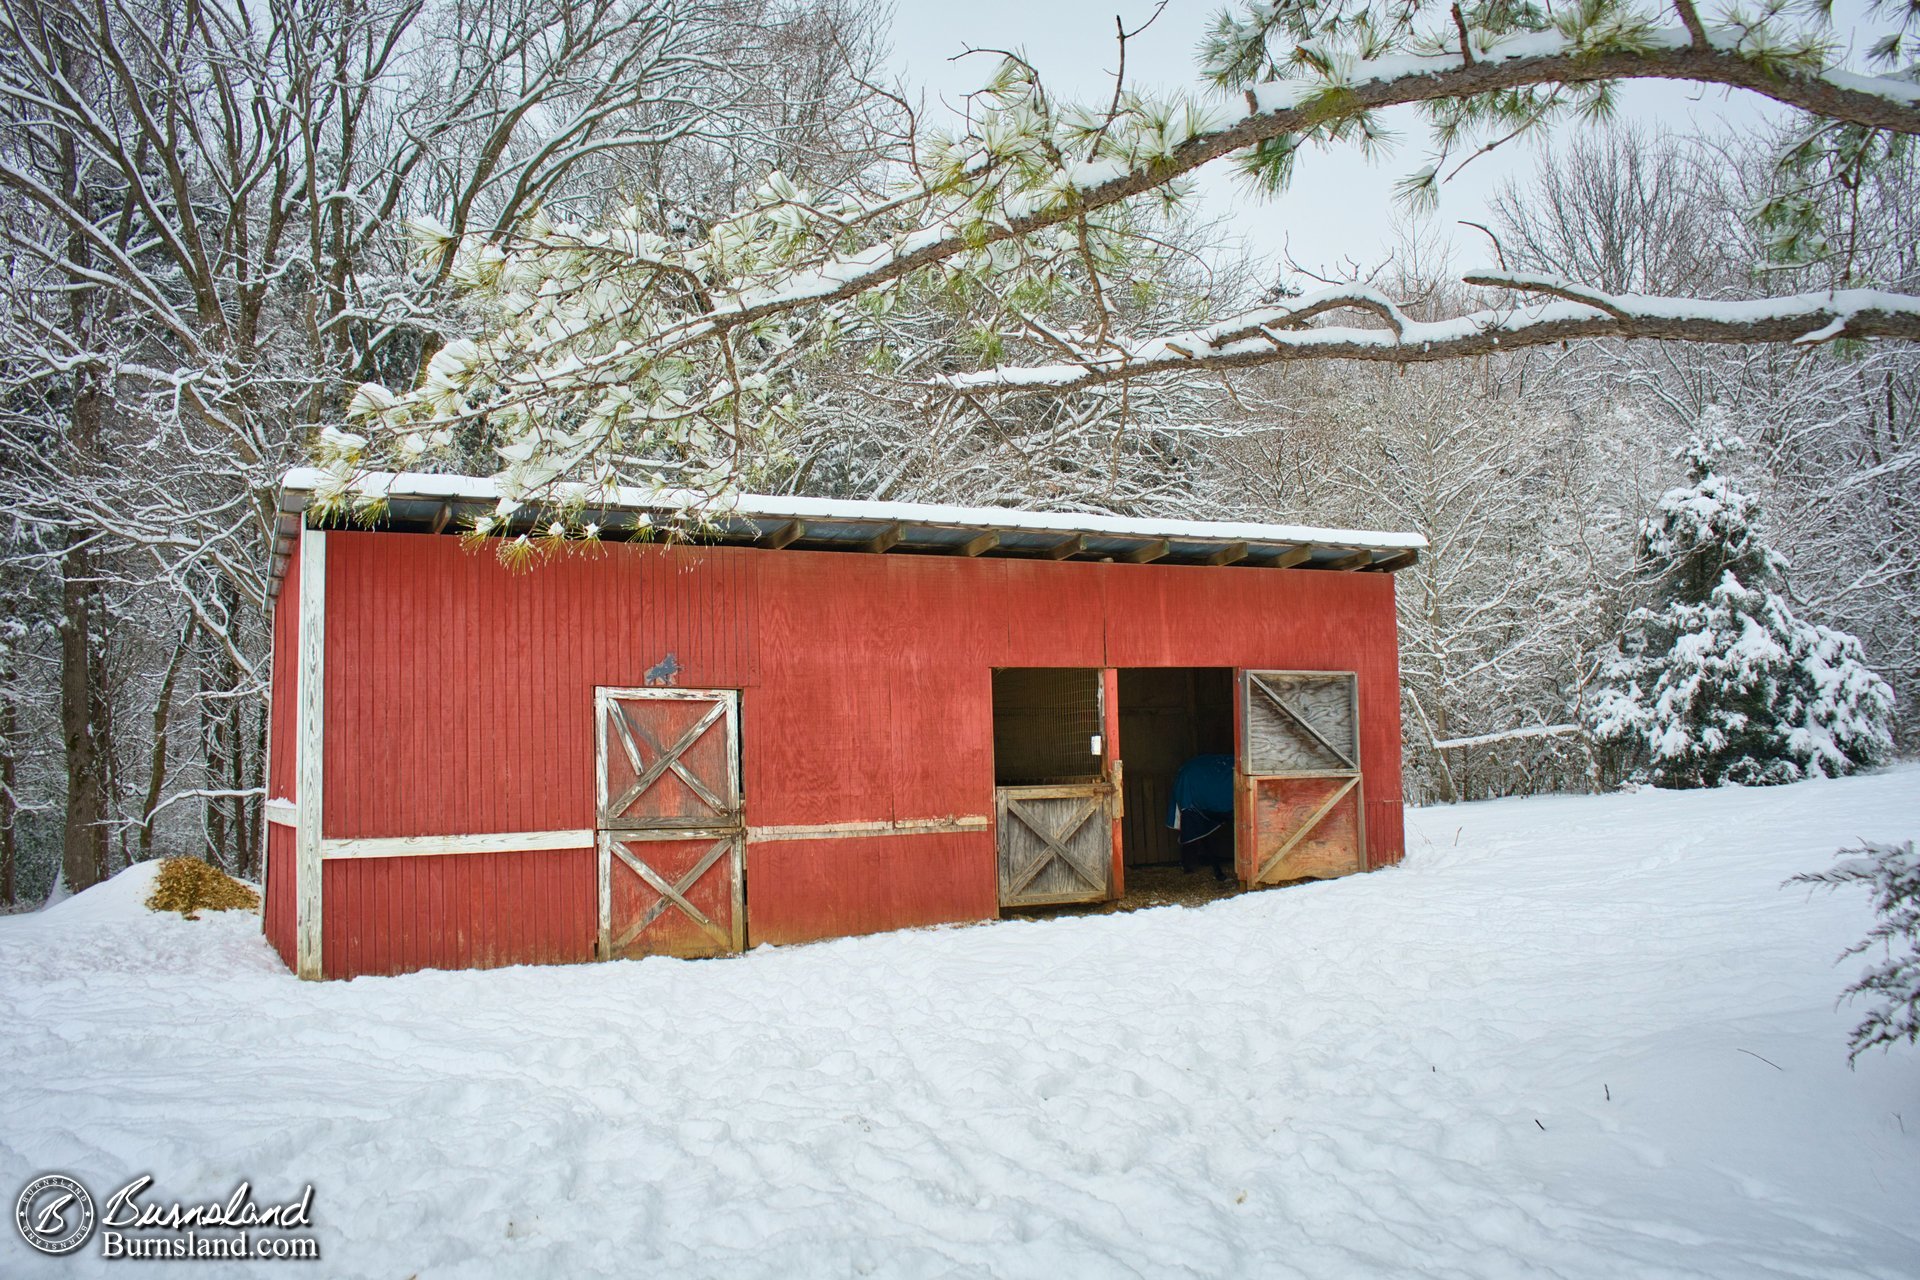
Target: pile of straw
(190,886)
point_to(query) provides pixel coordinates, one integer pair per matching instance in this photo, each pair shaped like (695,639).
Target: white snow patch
(1536,1048)
(386,485)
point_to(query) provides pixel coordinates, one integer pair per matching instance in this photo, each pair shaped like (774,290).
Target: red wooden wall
(460,700)
(460,911)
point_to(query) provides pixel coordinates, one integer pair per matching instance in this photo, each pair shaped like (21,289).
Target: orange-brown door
(1299,805)
(670,827)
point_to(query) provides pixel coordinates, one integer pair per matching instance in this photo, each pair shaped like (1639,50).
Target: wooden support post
(786,535)
(1071,547)
(886,539)
(309,753)
(442,517)
(1233,553)
(1116,777)
(1358,560)
(1293,557)
(1148,552)
(985,542)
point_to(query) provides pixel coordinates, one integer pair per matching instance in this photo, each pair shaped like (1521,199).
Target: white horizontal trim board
(882,827)
(584,837)
(485,842)
(284,812)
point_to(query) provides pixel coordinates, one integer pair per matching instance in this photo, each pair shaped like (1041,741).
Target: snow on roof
(418,500)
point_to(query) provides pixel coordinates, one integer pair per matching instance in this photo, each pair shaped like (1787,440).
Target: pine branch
(1258,338)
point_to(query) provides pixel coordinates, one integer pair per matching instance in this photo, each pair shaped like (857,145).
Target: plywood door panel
(1302,722)
(1300,802)
(667,759)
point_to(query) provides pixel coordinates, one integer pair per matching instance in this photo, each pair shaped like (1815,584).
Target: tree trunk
(100,682)
(157,772)
(83,860)
(257,810)
(9,806)
(213,748)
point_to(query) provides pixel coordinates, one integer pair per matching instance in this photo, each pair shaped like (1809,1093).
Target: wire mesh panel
(1302,722)
(1046,725)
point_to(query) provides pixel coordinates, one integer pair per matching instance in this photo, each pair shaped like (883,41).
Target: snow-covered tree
(1834,432)
(1718,679)
(200,224)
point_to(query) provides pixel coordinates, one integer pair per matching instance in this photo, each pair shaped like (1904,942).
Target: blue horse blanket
(1202,796)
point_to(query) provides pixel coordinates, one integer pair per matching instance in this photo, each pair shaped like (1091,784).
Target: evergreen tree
(1717,680)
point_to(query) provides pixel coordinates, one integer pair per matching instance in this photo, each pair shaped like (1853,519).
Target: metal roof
(418,502)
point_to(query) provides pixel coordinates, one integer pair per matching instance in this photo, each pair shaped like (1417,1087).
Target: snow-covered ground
(1576,1036)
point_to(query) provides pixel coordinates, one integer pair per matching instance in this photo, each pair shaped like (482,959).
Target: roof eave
(448,504)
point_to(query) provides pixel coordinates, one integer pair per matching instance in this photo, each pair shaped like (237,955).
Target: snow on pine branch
(1890,986)
(1273,335)
(614,355)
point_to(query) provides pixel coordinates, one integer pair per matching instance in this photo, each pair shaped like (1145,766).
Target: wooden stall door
(1056,843)
(671,840)
(1300,795)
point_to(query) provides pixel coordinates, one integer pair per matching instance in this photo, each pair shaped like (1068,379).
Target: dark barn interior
(1167,716)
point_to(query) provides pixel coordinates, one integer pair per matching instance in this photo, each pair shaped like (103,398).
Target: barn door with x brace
(1056,840)
(671,840)
(1300,810)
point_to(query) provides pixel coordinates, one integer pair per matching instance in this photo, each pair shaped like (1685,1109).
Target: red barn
(829,718)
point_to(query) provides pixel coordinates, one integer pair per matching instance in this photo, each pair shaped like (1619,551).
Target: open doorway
(1053,799)
(1172,717)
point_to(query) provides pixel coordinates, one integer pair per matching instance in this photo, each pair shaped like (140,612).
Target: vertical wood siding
(461,700)
(277,913)
(460,911)
(802,890)
(460,696)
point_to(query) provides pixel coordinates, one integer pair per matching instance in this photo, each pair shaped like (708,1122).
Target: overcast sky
(1340,205)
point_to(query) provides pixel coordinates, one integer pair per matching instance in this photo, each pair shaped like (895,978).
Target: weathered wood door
(1300,791)
(1055,842)
(671,838)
